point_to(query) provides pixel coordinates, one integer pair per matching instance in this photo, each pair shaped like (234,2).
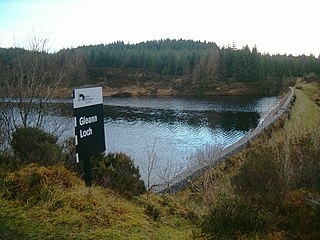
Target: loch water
(173,133)
(176,132)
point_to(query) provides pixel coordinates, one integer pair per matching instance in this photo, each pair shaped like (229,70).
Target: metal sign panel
(89,124)
(85,97)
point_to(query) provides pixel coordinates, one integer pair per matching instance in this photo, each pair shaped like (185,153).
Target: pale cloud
(275,26)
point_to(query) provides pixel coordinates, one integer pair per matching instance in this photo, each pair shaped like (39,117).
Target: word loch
(84,121)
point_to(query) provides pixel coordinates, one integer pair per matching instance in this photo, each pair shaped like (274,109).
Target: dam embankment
(182,180)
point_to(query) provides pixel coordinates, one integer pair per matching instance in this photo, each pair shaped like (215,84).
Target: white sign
(87,97)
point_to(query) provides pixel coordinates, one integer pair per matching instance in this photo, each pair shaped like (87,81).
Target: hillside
(55,204)
(269,191)
(159,67)
(134,82)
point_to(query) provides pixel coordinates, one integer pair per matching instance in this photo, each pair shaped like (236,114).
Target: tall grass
(274,186)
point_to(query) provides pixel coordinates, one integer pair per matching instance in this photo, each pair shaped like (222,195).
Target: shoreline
(153,88)
(182,180)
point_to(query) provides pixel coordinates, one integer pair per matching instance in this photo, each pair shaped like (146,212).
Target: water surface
(176,129)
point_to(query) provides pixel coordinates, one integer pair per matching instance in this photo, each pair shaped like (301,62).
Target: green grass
(76,212)
(82,215)
(305,113)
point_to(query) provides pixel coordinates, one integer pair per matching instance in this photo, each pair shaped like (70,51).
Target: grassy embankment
(52,203)
(272,189)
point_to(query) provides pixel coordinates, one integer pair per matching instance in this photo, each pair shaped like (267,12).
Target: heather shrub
(258,178)
(117,171)
(231,218)
(152,211)
(69,159)
(33,145)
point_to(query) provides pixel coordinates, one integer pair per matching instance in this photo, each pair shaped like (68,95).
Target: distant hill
(182,67)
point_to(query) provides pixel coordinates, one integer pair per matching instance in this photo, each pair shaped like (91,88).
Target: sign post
(89,126)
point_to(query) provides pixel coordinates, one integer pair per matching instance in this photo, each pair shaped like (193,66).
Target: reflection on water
(176,128)
(171,128)
(227,121)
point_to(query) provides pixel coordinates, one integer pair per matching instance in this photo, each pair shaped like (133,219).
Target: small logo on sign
(81,97)
(87,96)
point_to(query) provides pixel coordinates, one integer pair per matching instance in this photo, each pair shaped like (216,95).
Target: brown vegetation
(270,190)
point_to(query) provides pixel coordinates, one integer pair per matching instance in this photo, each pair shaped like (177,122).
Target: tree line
(200,60)
(196,62)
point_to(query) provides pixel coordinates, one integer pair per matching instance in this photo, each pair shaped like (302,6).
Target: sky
(274,26)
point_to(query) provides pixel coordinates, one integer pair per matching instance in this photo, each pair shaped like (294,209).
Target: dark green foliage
(69,153)
(258,178)
(245,65)
(233,217)
(168,57)
(32,145)
(153,211)
(117,171)
(197,64)
(304,160)
(7,164)
(312,77)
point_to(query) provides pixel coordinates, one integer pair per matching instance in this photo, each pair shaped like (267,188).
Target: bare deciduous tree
(206,154)
(171,170)
(151,165)
(28,83)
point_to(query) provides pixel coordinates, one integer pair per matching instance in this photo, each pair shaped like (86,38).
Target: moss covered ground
(38,204)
